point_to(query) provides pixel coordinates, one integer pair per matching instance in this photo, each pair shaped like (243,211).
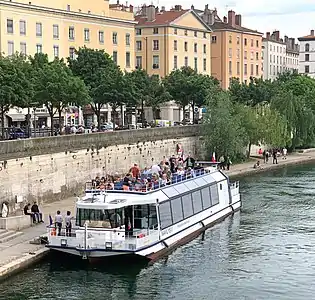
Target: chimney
(268,35)
(157,10)
(130,8)
(192,7)
(231,18)
(312,32)
(206,6)
(286,39)
(238,20)
(277,35)
(151,13)
(162,9)
(178,7)
(224,19)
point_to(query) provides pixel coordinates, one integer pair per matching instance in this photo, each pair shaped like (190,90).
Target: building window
(307,69)
(39,48)
(10,48)
(71,53)
(138,31)
(156,62)
(230,52)
(307,57)
(238,53)
(195,33)
(9,26)
(252,43)
(252,55)
(175,30)
(251,70)
(230,67)
(274,70)
(56,51)
(196,64)
(245,42)
(155,45)
(195,48)
(230,39)
(175,45)
(205,49)
(186,61)
(115,38)
(127,59)
(175,62)
(186,32)
(101,37)
(22,27)
(138,45)
(238,68)
(71,33)
(245,54)
(238,40)
(257,43)
(186,46)
(155,30)
(307,47)
(115,55)
(245,69)
(39,29)
(213,39)
(23,48)
(127,39)
(257,56)
(138,62)
(205,65)
(257,70)
(55,31)
(86,35)
(204,35)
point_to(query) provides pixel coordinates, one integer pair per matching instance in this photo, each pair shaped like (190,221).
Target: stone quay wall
(53,168)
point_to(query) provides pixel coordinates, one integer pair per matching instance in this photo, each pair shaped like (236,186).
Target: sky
(292,18)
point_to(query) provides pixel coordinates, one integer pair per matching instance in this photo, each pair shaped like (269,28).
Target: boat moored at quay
(147,223)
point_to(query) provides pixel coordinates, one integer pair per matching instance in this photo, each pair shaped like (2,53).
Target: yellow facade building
(236,51)
(58,27)
(169,40)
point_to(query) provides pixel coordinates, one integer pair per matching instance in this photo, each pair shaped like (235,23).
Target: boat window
(197,203)
(206,200)
(187,206)
(141,214)
(177,210)
(214,194)
(209,179)
(200,181)
(100,218)
(170,192)
(153,223)
(181,188)
(165,214)
(191,185)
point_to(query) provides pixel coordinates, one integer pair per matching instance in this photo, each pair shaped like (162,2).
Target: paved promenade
(18,252)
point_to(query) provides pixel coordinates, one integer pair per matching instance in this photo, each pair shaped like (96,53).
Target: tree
(57,88)
(101,75)
(222,126)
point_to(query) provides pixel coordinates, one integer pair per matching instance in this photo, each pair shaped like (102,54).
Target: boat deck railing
(102,238)
(143,186)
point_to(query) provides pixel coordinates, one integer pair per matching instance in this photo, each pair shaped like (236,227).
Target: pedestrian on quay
(275,158)
(284,153)
(228,163)
(58,222)
(68,219)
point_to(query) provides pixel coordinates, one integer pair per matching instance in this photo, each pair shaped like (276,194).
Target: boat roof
(114,199)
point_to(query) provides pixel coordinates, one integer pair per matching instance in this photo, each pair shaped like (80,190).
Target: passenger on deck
(58,222)
(180,171)
(68,223)
(127,182)
(189,161)
(155,169)
(135,171)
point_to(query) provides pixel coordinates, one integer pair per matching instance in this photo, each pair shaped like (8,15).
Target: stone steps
(8,235)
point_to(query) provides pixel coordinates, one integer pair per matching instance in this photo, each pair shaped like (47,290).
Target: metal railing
(141,186)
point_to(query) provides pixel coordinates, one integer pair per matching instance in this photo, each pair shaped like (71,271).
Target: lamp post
(29,119)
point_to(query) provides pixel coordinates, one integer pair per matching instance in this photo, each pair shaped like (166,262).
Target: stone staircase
(8,235)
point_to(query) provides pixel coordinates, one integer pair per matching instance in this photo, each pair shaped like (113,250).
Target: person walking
(58,222)
(275,159)
(284,153)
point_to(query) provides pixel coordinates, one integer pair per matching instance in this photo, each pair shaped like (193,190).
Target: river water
(265,252)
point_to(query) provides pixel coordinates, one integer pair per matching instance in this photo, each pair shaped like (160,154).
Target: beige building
(57,28)
(168,40)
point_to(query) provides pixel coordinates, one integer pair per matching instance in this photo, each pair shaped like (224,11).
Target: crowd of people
(273,154)
(168,171)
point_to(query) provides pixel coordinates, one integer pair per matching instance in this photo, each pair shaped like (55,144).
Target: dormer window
(155,30)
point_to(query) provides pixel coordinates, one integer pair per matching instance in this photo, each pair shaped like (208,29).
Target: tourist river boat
(147,223)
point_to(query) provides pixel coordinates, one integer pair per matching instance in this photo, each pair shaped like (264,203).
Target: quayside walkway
(17,252)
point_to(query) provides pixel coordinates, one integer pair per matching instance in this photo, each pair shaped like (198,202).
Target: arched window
(307,47)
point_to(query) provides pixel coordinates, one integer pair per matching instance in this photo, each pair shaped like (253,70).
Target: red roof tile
(307,37)
(162,18)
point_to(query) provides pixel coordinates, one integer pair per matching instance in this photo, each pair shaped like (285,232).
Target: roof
(307,38)
(161,18)
(273,41)
(167,18)
(226,26)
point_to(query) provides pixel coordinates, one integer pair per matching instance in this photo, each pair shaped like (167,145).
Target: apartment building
(280,55)
(236,51)
(57,28)
(168,40)
(307,55)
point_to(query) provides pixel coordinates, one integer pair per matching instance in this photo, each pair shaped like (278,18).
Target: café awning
(17,117)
